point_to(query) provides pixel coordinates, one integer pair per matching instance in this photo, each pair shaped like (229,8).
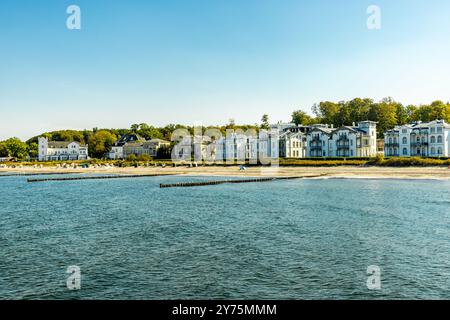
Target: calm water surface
(299,239)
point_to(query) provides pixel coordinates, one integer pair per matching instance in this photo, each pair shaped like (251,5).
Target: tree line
(387,112)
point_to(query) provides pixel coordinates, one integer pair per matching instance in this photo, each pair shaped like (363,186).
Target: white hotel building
(290,141)
(60,150)
(347,141)
(239,146)
(431,139)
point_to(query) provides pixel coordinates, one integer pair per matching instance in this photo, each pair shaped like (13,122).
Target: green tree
(149,132)
(425,113)
(265,122)
(33,150)
(327,112)
(438,110)
(300,117)
(132,157)
(134,128)
(3,149)
(357,110)
(100,143)
(412,113)
(16,148)
(385,113)
(144,157)
(402,114)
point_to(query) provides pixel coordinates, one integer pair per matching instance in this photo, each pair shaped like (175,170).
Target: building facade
(242,147)
(318,141)
(133,144)
(292,144)
(61,151)
(117,150)
(347,141)
(418,139)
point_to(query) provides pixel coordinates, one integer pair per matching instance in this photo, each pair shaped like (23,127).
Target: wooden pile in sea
(216,182)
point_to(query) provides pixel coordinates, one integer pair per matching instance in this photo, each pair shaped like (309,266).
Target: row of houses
(127,145)
(285,140)
(430,139)
(134,144)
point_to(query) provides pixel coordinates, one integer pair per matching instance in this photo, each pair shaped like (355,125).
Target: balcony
(316,148)
(419,144)
(392,145)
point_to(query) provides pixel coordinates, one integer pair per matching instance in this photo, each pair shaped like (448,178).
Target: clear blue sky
(206,61)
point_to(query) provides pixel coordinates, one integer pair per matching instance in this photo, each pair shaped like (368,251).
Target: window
(405,141)
(439,139)
(433,139)
(390,140)
(439,150)
(404,131)
(405,151)
(433,150)
(439,130)
(433,130)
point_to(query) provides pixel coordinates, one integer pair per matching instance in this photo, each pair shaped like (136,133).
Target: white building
(293,144)
(117,151)
(241,147)
(317,141)
(60,150)
(354,141)
(431,139)
(347,141)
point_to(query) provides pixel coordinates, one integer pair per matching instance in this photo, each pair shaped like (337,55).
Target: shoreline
(343,172)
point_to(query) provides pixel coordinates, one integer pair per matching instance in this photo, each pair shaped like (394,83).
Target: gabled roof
(323,129)
(62,144)
(289,134)
(354,129)
(134,144)
(127,138)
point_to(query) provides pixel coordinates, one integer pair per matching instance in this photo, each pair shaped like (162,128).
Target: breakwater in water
(36,174)
(216,182)
(99,177)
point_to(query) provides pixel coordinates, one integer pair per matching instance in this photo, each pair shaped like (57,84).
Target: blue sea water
(297,239)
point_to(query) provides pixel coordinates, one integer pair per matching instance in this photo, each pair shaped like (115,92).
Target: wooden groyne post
(21,174)
(100,177)
(216,182)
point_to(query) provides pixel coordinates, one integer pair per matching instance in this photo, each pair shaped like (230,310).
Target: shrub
(144,157)
(132,157)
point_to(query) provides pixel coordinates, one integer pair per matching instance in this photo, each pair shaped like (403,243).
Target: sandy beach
(331,172)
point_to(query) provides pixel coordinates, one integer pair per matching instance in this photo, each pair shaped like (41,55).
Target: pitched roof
(131,137)
(158,141)
(323,129)
(134,144)
(62,144)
